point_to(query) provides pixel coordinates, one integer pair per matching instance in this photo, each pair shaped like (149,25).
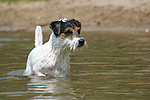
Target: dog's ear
(56,27)
(76,22)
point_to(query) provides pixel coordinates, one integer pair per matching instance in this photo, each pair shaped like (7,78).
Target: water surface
(116,66)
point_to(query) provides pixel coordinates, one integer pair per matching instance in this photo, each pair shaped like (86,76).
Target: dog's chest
(58,66)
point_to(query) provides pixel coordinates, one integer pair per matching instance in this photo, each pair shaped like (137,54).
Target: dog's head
(69,31)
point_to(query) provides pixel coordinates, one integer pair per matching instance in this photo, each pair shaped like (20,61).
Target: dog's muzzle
(81,42)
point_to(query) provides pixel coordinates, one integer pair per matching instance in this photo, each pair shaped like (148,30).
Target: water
(116,66)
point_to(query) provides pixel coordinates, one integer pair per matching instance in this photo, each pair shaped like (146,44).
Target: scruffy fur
(52,58)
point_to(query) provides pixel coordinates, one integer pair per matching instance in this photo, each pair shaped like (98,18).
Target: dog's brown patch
(70,28)
(70,37)
(70,33)
(63,36)
(77,29)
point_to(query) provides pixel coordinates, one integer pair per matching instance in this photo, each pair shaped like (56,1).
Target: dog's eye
(78,31)
(68,32)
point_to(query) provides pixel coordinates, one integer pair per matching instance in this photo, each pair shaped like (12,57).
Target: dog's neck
(57,44)
(60,55)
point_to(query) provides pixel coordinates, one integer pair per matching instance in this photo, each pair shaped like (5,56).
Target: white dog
(52,58)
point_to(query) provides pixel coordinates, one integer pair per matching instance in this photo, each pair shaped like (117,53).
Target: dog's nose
(81,42)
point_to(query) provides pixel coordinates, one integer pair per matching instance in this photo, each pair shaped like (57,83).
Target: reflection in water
(48,88)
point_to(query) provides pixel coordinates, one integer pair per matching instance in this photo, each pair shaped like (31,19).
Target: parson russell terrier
(52,58)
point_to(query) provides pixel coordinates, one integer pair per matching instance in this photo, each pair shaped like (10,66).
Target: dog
(52,58)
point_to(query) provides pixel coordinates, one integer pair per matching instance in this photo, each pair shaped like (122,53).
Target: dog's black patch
(59,27)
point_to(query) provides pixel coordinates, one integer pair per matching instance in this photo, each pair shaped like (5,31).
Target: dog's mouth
(77,46)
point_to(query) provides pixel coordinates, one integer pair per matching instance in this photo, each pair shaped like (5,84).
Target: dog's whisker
(70,48)
(85,44)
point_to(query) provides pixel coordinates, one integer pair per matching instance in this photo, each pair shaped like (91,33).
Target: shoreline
(95,15)
(84,29)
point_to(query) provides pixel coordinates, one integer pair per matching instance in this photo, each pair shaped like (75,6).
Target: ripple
(7,39)
(19,93)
